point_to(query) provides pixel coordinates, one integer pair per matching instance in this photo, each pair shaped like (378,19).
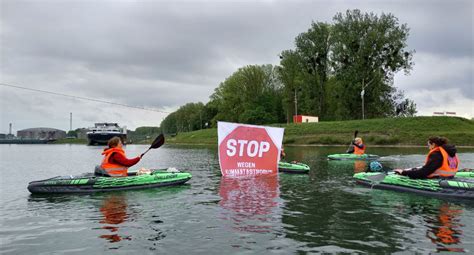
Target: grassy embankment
(392,131)
(84,141)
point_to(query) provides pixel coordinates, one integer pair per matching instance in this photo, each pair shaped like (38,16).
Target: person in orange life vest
(441,161)
(358,147)
(282,154)
(115,163)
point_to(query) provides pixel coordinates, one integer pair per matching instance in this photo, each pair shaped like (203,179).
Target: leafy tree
(367,51)
(168,125)
(313,47)
(290,73)
(211,109)
(144,131)
(326,72)
(72,133)
(188,117)
(406,108)
(247,92)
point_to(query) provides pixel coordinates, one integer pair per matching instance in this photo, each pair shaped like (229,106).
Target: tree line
(338,71)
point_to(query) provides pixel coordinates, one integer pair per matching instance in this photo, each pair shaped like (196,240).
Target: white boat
(102,132)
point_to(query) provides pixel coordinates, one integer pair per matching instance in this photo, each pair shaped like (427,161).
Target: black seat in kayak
(99,171)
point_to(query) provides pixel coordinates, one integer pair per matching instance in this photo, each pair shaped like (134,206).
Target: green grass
(390,131)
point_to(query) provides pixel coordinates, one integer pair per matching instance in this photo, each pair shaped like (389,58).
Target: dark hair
(113,142)
(440,141)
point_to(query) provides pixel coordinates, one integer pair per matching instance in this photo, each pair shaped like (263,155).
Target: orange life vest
(112,169)
(358,150)
(449,166)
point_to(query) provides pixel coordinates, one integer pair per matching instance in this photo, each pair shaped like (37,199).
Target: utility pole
(287,116)
(70,121)
(296,104)
(200,118)
(362,93)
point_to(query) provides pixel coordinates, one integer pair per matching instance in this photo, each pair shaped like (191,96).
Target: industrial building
(41,133)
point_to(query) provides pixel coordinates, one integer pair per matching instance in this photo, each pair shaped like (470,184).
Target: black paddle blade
(355,133)
(160,140)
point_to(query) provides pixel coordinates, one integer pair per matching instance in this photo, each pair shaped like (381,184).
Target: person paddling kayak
(358,147)
(441,161)
(115,163)
(282,154)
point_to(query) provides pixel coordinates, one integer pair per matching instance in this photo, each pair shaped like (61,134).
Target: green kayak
(461,186)
(347,156)
(293,168)
(89,183)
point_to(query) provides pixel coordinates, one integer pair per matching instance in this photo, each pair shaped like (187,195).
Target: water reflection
(347,167)
(323,212)
(379,221)
(445,229)
(114,211)
(249,202)
(441,218)
(360,166)
(326,220)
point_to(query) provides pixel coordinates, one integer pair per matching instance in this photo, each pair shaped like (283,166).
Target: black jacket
(435,161)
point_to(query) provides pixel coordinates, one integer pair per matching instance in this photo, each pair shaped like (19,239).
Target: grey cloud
(436,26)
(163,54)
(438,73)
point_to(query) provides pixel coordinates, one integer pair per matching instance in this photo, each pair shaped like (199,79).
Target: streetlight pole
(296,103)
(362,93)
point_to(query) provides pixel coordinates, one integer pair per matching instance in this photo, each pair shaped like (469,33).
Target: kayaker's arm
(350,150)
(122,160)
(434,162)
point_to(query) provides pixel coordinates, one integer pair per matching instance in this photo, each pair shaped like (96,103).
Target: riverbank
(84,141)
(375,132)
(70,141)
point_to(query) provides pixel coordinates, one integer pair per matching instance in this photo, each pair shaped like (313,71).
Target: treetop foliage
(332,69)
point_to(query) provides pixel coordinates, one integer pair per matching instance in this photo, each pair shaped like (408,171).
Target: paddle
(160,140)
(355,135)
(375,167)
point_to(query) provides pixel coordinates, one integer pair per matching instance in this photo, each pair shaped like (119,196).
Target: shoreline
(332,145)
(293,145)
(410,132)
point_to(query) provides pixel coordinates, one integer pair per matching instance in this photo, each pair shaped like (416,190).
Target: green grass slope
(390,131)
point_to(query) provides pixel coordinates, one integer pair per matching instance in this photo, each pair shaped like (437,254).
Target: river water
(294,214)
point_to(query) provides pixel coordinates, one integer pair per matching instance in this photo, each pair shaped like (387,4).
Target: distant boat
(102,132)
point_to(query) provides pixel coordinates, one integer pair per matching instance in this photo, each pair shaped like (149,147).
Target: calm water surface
(294,214)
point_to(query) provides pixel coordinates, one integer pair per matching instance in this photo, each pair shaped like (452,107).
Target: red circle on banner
(248,151)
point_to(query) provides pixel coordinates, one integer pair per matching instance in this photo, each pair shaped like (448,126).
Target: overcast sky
(163,54)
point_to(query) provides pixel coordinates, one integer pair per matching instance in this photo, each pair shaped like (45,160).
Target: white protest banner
(248,150)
